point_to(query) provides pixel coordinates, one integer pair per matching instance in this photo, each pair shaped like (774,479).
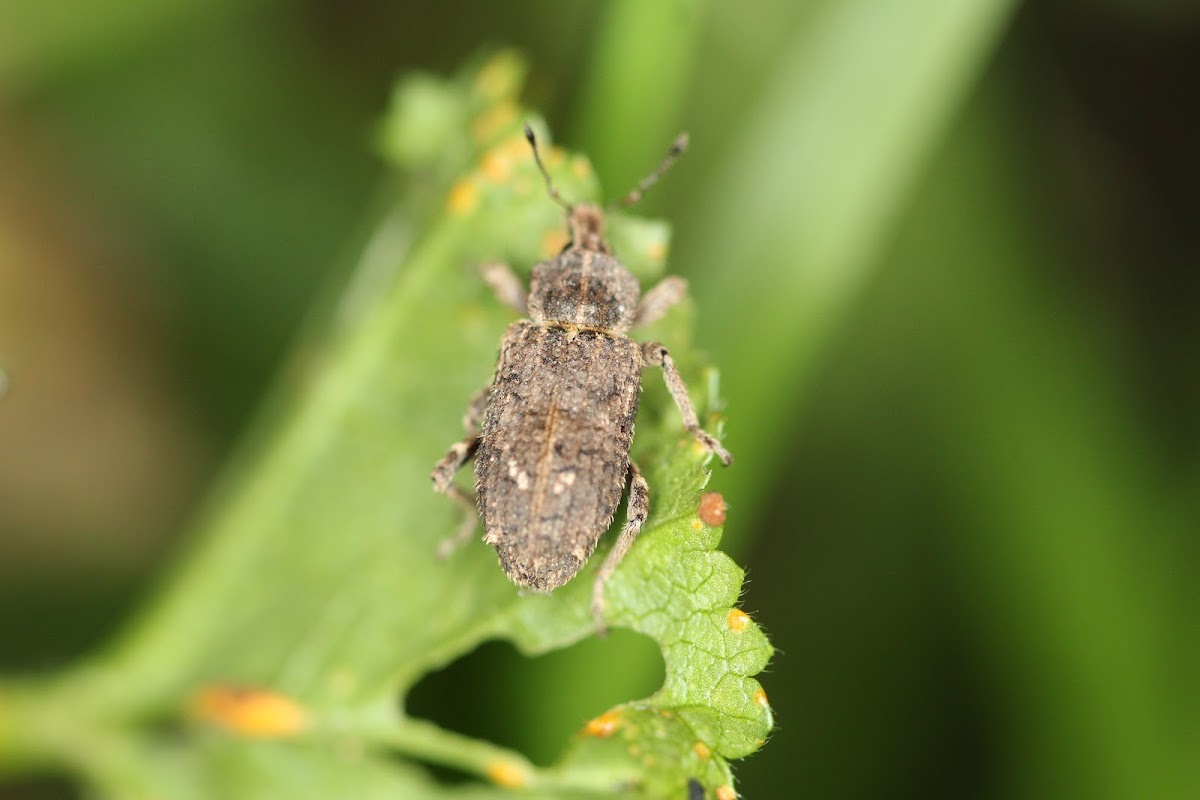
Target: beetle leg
(473,420)
(656,355)
(635,516)
(507,286)
(448,467)
(659,300)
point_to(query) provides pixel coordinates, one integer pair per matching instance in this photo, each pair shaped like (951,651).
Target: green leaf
(314,599)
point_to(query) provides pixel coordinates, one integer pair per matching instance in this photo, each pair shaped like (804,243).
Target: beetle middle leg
(445,470)
(635,516)
(657,355)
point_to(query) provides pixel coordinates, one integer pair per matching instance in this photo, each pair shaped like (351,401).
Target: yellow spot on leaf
(701,750)
(498,77)
(604,725)
(581,168)
(553,242)
(463,197)
(496,166)
(657,251)
(249,712)
(507,774)
(760,697)
(516,147)
(697,524)
(737,621)
(488,125)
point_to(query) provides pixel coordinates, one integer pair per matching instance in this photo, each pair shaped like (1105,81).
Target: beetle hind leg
(635,516)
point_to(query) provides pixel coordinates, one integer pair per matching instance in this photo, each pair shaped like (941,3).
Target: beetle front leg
(637,509)
(507,286)
(657,355)
(658,301)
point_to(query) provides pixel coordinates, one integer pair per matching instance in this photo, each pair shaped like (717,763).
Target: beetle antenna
(554,195)
(677,147)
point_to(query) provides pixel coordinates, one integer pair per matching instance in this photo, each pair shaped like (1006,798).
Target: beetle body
(551,434)
(554,450)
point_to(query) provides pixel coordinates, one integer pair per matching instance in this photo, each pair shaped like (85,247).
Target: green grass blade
(799,209)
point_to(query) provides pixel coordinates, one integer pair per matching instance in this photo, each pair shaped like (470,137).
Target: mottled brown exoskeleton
(551,435)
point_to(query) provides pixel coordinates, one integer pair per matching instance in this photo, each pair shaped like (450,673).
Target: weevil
(551,434)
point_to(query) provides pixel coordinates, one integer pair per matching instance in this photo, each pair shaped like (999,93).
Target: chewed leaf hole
(536,705)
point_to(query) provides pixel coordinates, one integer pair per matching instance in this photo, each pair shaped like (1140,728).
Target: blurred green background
(945,254)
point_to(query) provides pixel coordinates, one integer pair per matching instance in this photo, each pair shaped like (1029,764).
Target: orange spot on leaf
(711,509)
(507,774)
(249,712)
(604,725)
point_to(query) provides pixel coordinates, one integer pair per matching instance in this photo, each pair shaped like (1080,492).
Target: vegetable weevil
(551,434)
